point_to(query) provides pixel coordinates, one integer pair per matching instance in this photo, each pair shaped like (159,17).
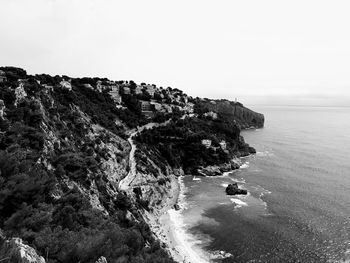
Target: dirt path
(124,184)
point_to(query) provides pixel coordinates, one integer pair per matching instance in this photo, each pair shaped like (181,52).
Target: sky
(262,52)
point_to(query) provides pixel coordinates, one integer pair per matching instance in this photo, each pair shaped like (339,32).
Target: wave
(238,203)
(242,181)
(186,243)
(244,166)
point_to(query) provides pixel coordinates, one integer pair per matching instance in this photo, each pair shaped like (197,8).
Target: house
(223,145)
(157,106)
(150,90)
(126,90)
(114,92)
(145,106)
(2,76)
(138,89)
(206,143)
(147,109)
(211,114)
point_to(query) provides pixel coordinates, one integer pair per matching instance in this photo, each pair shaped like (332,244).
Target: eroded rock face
(243,116)
(214,170)
(14,250)
(232,189)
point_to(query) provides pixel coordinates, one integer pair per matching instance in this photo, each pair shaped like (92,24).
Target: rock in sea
(232,189)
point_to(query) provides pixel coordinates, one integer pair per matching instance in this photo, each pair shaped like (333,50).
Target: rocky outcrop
(243,116)
(14,250)
(232,189)
(214,170)
(248,118)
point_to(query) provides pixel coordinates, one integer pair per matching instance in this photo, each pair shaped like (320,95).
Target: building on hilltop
(211,114)
(146,106)
(147,109)
(150,90)
(138,89)
(126,90)
(206,143)
(114,92)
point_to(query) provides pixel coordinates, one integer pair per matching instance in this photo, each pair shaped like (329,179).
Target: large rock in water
(232,189)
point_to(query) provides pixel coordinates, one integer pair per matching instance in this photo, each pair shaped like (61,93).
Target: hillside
(83,160)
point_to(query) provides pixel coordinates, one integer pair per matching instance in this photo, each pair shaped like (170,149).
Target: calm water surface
(298,207)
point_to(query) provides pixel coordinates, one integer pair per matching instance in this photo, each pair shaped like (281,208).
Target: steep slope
(84,161)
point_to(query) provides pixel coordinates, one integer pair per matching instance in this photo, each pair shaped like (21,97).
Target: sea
(298,203)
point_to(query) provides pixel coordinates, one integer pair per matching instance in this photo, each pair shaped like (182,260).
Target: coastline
(167,225)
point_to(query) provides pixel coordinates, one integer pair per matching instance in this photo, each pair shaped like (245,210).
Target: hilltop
(85,161)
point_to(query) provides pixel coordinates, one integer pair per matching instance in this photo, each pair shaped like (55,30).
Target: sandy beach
(167,225)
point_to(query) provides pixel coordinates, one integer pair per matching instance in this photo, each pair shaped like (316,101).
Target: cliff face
(81,160)
(245,117)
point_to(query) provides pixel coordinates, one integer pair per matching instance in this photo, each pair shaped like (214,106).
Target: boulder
(235,164)
(210,171)
(232,189)
(176,207)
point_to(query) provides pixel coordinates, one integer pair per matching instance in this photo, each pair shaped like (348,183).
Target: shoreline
(167,225)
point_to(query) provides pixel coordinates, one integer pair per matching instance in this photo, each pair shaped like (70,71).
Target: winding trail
(124,184)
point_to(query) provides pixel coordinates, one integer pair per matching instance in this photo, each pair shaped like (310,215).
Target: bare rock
(16,251)
(232,189)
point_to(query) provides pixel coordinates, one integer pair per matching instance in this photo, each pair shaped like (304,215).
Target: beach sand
(167,225)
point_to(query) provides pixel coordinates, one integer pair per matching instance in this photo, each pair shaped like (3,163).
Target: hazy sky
(289,52)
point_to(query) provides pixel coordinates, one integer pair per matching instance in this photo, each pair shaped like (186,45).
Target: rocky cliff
(83,160)
(245,117)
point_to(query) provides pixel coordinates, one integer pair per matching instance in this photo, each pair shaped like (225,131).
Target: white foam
(187,244)
(242,181)
(238,202)
(224,185)
(263,154)
(244,166)
(220,254)
(196,179)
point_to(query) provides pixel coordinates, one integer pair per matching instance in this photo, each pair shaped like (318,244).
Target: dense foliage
(48,158)
(179,143)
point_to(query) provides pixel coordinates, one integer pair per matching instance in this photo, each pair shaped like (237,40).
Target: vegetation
(179,143)
(48,163)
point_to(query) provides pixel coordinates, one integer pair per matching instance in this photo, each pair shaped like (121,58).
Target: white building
(150,89)
(126,90)
(211,114)
(138,89)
